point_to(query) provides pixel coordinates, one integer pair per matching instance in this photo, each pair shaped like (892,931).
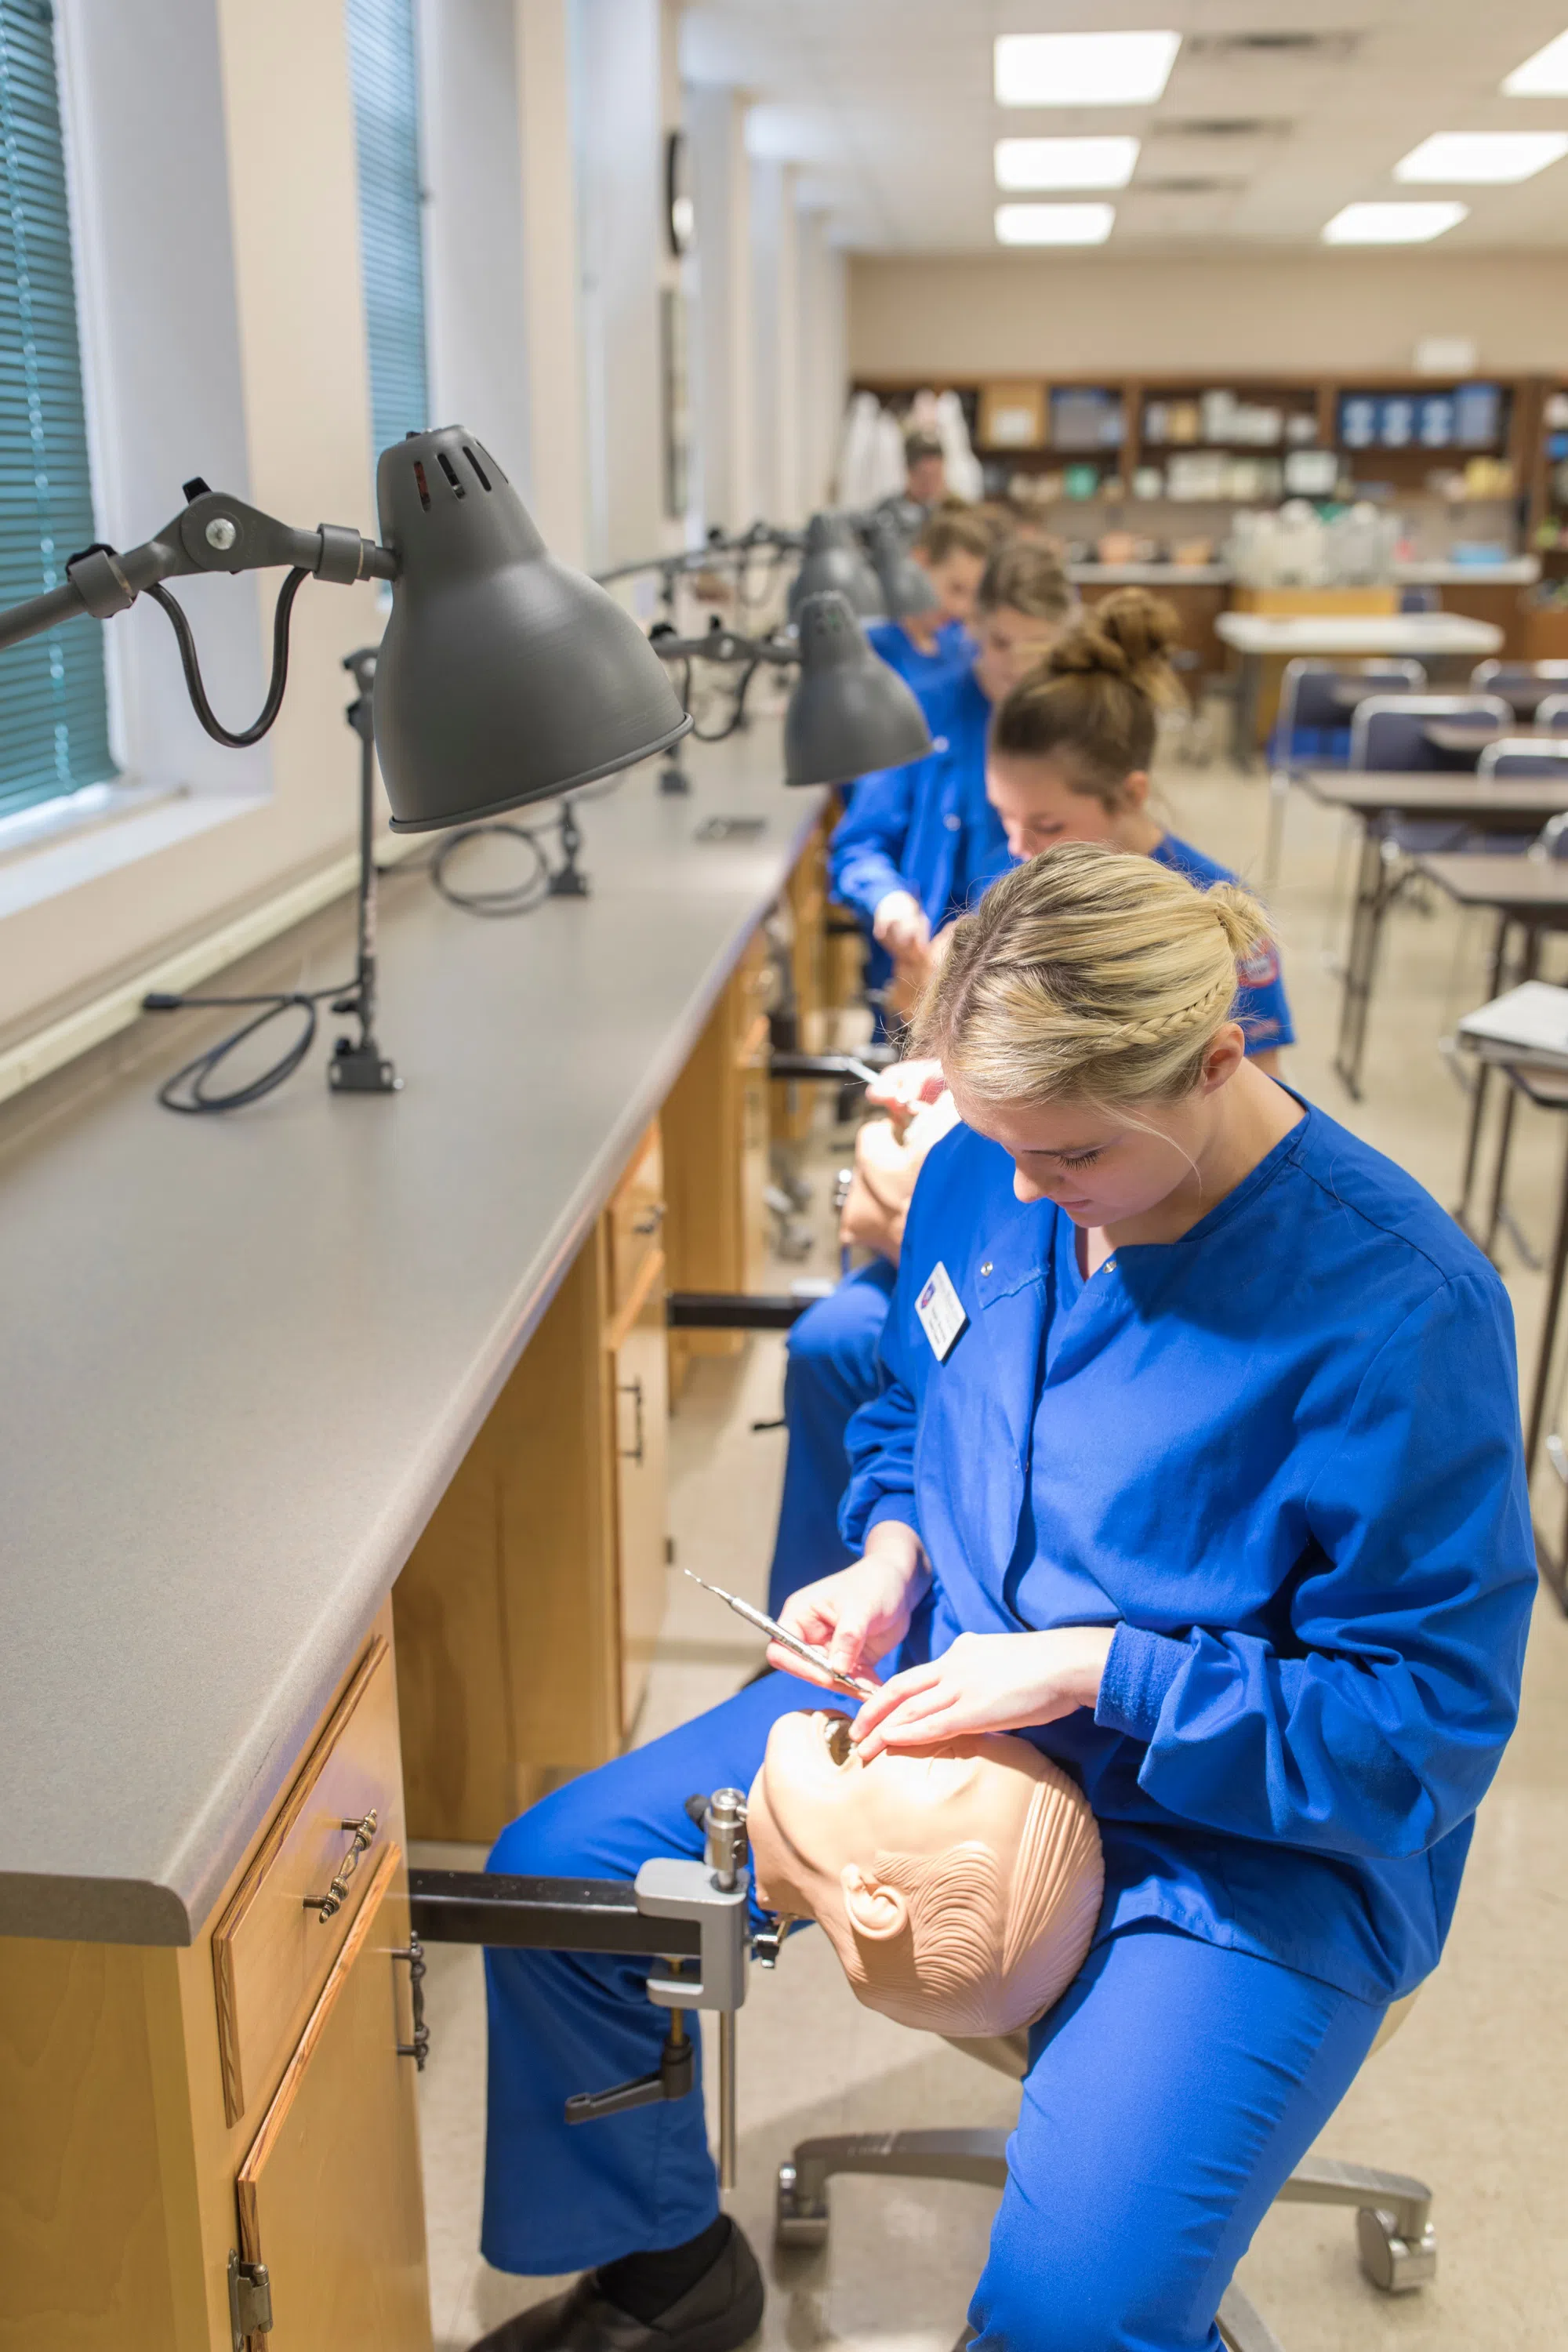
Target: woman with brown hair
(1069,759)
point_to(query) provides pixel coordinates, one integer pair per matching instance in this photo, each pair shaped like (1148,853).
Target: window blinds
(383,62)
(54,724)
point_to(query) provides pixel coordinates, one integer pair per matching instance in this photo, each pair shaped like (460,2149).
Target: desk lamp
(833,560)
(906,585)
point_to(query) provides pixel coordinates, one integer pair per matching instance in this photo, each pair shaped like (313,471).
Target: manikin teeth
(836,1733)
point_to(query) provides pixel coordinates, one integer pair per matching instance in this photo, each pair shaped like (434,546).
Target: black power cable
(511,899)
(187,1090)
(258,727)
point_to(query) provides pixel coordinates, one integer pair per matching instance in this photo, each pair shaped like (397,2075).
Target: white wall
(555,479)
(722,361)
(472,171)
(776,329)
(824,364)
(992,314)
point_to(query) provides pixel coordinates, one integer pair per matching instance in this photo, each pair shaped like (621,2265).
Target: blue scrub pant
(831,1368)
(1170,2090)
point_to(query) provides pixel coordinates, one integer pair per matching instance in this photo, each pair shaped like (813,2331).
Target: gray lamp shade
(850,712)
(504,677)
(906,585)
(833,560)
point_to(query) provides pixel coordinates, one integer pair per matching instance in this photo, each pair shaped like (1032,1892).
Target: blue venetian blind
(383,62)
(54,721)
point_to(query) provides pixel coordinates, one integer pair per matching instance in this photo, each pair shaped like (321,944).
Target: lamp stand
(568,879)
(358,1066)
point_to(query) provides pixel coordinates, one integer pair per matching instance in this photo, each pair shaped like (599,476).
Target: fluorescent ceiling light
(1054,224)
(1545,75)
(1083,68)
(1067,163)
(1496,155)
(1392,224)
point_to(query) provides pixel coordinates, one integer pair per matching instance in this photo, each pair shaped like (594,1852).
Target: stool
(1395,2237)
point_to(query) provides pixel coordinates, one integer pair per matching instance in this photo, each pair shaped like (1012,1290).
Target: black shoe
(717,2315)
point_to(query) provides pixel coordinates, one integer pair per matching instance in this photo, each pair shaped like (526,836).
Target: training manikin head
(959,1886)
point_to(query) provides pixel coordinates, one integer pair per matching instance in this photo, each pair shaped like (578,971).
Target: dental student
(952,548)
(1199,1464)
(1067,759)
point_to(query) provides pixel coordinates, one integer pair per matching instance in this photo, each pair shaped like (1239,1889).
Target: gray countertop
(244,1355)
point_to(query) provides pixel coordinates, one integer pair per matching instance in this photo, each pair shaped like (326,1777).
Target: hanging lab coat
(1282,1457)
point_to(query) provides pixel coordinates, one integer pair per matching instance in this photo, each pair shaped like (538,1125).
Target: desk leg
(1482,1081)
(1548,1331)
(1244,710)
(1366,923)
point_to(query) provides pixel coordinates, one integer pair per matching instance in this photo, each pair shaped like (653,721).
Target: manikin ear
(877,1911)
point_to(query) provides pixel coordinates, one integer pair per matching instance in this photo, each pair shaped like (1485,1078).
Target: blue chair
(1552,716)
(1524,685)
(1523,755)
(1313,723)
(1388,735)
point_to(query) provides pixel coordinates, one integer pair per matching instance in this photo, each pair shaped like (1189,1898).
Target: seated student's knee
(1099,2293)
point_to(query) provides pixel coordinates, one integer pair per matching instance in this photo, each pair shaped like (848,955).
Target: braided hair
(1088,973)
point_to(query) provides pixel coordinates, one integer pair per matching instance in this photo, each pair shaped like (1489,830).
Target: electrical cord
(192,667)
(188,1090)
(512,898)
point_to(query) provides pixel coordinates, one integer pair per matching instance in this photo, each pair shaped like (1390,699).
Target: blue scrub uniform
(833,1367)
(927,828)
(1282,1456)
(953,649)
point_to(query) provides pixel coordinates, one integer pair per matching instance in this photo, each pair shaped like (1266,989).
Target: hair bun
(1129,634)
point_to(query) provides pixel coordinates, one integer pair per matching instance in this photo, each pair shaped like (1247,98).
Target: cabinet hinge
(249,2300)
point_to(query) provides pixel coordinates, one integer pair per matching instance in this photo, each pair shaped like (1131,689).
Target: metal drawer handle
(651,1219)
(324,1906)
(634,1390)
(419,2048)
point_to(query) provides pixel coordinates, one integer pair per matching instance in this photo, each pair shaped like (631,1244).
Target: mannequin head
(959,1886)
(925,469)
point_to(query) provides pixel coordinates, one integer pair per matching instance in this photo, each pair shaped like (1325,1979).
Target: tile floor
(1473,2094)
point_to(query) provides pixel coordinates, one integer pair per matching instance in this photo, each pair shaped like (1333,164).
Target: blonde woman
(1199,1463)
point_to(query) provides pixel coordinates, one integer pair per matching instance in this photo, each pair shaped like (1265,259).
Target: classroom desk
(1379,802)
(1255,636)
(1527,895)
(245,1358)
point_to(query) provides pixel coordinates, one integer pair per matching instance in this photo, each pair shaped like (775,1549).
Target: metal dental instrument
(862,1687)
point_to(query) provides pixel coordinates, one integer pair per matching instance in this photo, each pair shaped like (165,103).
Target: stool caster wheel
(1395,2264)
(800,2225)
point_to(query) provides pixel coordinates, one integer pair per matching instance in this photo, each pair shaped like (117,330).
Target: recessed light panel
(1083,68)
(1479,156)
(1064,162)
(1393,224)
(1545,75)
(1054,224)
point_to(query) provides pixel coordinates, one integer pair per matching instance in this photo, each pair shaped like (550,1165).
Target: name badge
(940,1311)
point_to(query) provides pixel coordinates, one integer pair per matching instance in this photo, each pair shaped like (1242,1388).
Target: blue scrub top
(1282,1456)
(1260,1003)
(927,828)
(955,648)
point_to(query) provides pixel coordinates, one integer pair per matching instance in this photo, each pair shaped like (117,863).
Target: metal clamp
(326,1906)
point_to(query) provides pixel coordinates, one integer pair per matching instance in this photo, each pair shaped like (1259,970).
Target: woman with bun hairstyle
(1173,1474)
(1069,759)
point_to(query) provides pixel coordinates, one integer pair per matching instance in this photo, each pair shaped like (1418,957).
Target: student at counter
(952,548)
(919,844)
(1069,759)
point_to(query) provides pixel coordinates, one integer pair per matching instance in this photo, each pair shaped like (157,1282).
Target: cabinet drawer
(272,1951)
(636,1219)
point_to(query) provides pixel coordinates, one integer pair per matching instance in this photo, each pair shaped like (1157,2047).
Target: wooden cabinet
(130,2176)
(715,1128)
(330,2195)
(528,1611)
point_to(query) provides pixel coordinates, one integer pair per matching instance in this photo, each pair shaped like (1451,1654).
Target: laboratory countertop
(245,1354)
(1151,575)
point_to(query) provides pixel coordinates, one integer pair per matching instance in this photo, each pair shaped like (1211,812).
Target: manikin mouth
(835,1734)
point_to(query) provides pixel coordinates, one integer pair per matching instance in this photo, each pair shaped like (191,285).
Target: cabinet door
(639,1365)
(330,2195)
